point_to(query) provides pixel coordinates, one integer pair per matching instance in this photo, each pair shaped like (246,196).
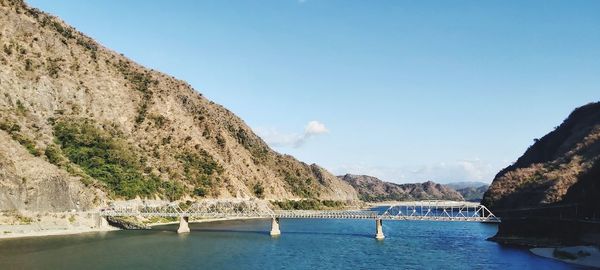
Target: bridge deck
(424,210)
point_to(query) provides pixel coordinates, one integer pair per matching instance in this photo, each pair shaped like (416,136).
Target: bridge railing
(348,214)
(424,210)
(439,210)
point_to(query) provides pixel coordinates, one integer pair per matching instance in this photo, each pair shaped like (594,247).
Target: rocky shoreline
(588,256)
(545,232)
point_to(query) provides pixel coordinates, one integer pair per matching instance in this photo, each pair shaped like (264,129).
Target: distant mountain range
(471,191)
(372,189)
(466,184)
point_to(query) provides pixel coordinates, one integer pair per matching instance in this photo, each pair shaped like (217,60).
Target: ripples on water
(304,244)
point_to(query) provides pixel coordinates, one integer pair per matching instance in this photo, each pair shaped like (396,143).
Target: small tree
(200,192)
(259,190)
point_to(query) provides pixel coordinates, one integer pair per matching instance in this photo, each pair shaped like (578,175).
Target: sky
(406,91)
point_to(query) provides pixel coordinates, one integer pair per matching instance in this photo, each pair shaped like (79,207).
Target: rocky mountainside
(371,189)
(560,167)
(81,124)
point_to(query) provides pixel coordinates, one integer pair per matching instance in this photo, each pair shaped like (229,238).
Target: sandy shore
(586,255)
(20,231)
(51,232)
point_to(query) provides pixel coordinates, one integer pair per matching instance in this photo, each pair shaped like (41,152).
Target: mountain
(81,125)
(466,184)
(552,170)
(470,190)
(554,185)
(371,189)
(473,194)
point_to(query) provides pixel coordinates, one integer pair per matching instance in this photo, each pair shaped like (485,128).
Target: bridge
(404,211)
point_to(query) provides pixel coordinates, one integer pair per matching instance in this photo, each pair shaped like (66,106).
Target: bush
(54,154)
(301,187)
(105,158)
(174,191)
(28,65)
(259,190)
(21,108)
(311,204)
(10,127)
(15,132)
(7,49)
(23,219)
(201,170)
(200,192)
(53,67)
(27,143)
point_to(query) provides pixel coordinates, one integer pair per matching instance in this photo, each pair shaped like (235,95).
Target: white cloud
(315,128)
(278,139)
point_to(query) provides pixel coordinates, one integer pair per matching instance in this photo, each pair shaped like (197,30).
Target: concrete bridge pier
(275,227)
(183,225)
(379,229)
(101,221)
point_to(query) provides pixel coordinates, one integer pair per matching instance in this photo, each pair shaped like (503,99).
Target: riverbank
(53,232)
(588,256)
(48,224)
(57,226)
(534,232)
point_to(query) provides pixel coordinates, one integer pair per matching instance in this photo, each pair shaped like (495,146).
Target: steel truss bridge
(215,209)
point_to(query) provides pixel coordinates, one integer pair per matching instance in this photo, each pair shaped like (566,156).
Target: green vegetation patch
(303,187)
(310,204)
(23,219)
(14,130)
(258,150)
(109,159)
(259,190)
(159,220)
(201,170)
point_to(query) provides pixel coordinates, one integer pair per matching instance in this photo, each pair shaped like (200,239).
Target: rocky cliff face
(371,189)
(80,124)
(560,167)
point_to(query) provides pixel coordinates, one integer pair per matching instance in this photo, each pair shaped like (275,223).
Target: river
(304,244)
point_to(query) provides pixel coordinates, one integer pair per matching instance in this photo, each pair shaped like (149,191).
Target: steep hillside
(560,167)
(80,124)
(371,189)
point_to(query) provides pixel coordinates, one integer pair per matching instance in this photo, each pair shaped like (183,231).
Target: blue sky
(404,90)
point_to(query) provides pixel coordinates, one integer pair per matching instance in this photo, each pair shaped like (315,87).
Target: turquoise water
(304,244)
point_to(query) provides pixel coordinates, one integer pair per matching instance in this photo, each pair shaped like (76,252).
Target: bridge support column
(379,229)
(183,225)
(275,227)
(103,222)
